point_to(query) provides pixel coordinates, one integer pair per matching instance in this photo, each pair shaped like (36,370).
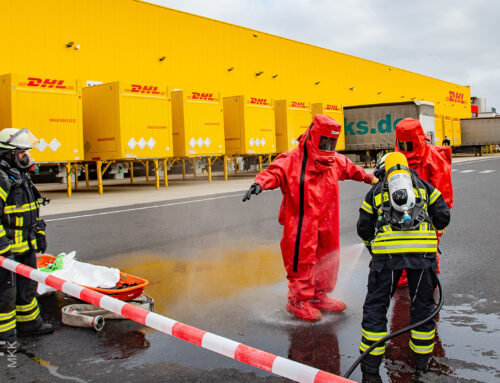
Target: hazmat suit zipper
(301,208)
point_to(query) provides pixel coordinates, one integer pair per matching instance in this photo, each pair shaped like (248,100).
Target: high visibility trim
(376,335)
(6,249)
(367,243)
(8,326)
(21,209)
(3,194)
(3,233)
(421,349)
(429,335)
(401,234)
(7,315)
(27,318)
(378,200)
(41,232)
(434,196)
(376,351)
(27,307)
(18,237)
(367,207)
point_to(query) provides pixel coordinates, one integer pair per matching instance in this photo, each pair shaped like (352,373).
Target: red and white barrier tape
(234,350)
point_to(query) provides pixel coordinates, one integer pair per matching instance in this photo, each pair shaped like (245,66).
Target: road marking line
(487,171)
(467,171)
(143,208)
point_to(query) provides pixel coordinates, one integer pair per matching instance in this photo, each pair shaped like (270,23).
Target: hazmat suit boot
(326,304)
(303,310)
(45,328)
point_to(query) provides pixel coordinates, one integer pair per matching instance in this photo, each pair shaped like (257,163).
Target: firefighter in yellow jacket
(398,221)
(22,234)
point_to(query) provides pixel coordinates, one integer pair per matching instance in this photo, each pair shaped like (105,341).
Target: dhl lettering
(333,107)
(296,104)
(71,120)
(45,83)
(105,139)
(144,89)
(203,96)
(456,97)
(258,101)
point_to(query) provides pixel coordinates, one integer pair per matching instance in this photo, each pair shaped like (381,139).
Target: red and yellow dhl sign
(144,89)
(35,82)
(259,101)
(298,104)
(455,97)
(334,108)
(200,96)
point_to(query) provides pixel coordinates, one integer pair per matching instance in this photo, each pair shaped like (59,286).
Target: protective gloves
(254,189)
(41,243)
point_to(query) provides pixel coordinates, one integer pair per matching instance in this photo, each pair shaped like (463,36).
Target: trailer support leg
(99,176)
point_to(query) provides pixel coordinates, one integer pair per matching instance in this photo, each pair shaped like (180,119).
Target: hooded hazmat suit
(431,162)
(309,212)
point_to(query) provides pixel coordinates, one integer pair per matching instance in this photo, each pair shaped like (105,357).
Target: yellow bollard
(99,176)
(260,163)
(132,172)
(75,170)
(87,182)
(68,178)
(157,173)
(146,166)
(225,168)
(165,179)
(209,169)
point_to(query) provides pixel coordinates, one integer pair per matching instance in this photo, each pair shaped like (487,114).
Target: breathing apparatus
(400,184)
(14,147)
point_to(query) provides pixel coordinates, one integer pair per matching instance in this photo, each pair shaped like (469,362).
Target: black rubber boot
(45,328)
(370,373)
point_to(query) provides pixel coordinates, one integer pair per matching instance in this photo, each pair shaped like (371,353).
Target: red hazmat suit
(431,162)
(309,212)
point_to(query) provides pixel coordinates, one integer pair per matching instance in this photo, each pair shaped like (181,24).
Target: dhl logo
(456,97)
(296,104)
(144,89)
(333,107)
(203,96)
(259,101)
(48,83)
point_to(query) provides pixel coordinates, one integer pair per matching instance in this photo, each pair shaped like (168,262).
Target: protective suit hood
(411,140)
(321,139)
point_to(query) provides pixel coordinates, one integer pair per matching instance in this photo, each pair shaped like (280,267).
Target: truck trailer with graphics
(373,127)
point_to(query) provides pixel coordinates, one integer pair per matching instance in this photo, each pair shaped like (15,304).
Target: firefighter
(398,221)
(22,234)
(431,162)
(308,177)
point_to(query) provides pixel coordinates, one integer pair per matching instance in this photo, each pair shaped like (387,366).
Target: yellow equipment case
(50,108)
(249,125)
(337,113)
(197,123)
(292,119)
(126,121)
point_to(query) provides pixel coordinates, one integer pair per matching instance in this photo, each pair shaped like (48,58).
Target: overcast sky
(456,41)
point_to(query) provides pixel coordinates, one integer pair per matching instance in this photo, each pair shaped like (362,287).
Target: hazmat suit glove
(374,181)
(254,189)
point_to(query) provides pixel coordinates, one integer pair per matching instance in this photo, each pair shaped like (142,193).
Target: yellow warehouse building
(94,41)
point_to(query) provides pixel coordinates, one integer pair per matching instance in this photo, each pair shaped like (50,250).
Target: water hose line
(399,332)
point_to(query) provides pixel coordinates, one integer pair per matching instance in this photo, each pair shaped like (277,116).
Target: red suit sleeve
(349,171)
(440,178)
(274,176)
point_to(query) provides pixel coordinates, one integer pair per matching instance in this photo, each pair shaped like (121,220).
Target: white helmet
(12,138)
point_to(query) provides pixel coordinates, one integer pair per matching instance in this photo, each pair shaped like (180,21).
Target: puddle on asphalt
(204,277)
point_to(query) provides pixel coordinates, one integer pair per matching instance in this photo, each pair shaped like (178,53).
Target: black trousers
(381,287)
(18,305)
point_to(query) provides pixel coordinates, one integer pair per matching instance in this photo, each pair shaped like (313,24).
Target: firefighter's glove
(41,239)
(254,189)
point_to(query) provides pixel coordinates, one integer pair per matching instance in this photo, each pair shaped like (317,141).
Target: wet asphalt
(215,263)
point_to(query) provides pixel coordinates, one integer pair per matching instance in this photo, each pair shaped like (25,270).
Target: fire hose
(252,356)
